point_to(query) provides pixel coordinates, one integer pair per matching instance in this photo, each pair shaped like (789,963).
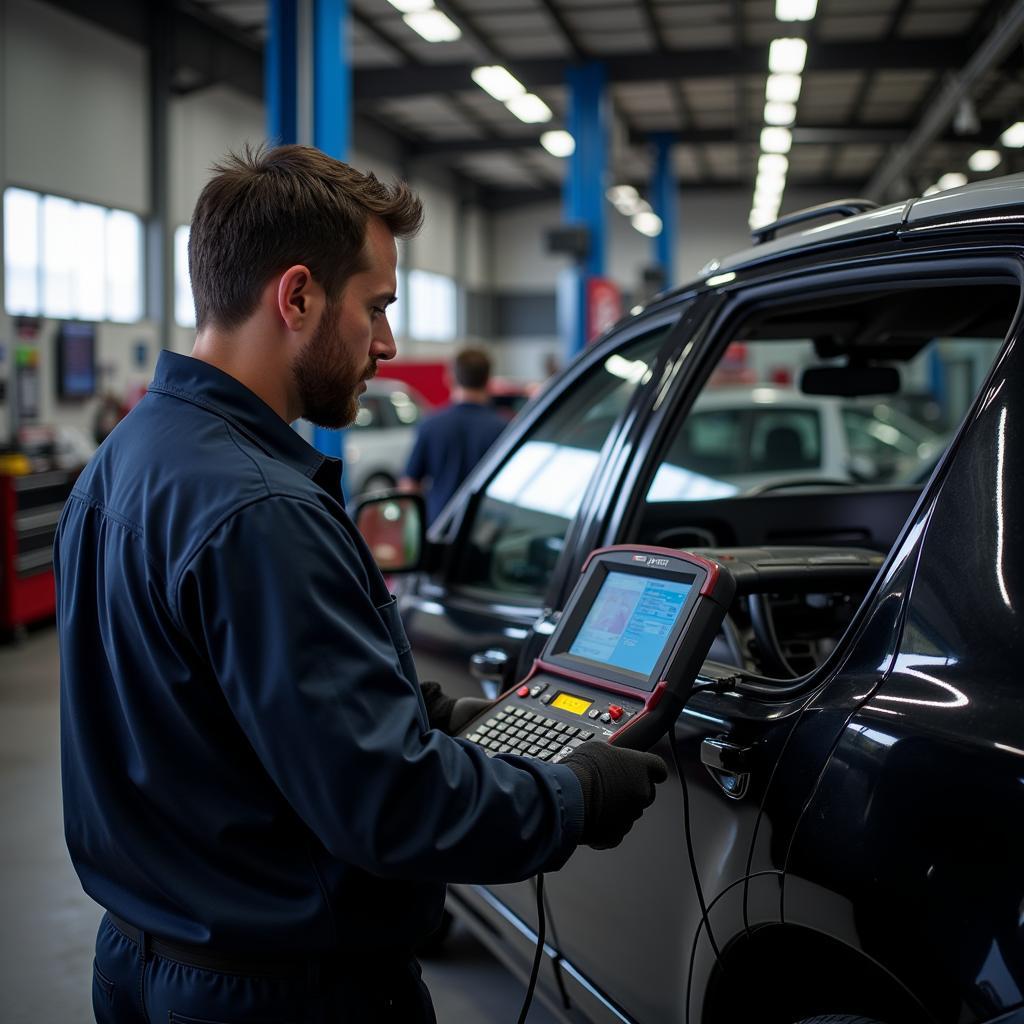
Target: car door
(637,905)
(511,526)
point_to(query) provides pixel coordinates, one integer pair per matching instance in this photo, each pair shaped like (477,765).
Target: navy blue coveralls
(248,770)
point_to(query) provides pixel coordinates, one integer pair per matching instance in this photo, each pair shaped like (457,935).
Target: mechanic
(451,442)
(255,786)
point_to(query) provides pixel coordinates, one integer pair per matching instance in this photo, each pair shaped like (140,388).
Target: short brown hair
(265,210)
(472,368)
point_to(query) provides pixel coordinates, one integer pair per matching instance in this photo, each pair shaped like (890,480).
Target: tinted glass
(526,509)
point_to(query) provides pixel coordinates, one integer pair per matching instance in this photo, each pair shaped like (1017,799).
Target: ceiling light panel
(795,10)
(985,160)
(529,108)
(1013,137)
(558,143)
(782,88)
(433,25)
(498,82)
(787,56)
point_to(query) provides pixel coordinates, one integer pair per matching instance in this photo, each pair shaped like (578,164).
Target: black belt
(211,960)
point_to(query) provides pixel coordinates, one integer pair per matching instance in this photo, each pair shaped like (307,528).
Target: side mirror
(392,524)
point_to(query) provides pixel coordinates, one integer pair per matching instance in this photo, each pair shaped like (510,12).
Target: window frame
(41,311)
(738,304)
(455,530)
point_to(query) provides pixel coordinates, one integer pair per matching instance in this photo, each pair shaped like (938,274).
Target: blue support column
(664,195)
(332,119)
(280,65)
(584,201)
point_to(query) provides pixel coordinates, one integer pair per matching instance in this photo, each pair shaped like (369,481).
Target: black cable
(541,923)
(689,849)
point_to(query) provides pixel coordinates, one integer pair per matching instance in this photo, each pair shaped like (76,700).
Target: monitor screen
(630,621)
(76,360)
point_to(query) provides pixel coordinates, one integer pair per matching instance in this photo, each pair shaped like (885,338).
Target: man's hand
(617,785)
(448,714)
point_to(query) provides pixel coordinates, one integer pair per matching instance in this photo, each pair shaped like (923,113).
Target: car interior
(805,550)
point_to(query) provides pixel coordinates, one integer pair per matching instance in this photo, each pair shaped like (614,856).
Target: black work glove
(617,785)
(446,713)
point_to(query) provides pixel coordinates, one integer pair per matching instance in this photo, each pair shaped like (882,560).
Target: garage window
(71,260)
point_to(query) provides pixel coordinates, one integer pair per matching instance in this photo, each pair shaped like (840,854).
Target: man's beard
(329,389)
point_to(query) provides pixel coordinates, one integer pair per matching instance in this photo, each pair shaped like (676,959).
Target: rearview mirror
(850,381)
(393,527)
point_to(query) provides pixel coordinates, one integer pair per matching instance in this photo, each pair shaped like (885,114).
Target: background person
(450,443)
(255,786)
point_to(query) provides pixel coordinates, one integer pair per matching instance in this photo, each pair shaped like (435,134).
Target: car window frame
(738,303)
(452,531)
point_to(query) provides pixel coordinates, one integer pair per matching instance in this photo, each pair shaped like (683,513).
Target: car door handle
(728,764)
(721,755)
(489,665)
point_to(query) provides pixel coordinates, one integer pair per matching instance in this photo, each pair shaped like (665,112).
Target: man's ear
(298,297)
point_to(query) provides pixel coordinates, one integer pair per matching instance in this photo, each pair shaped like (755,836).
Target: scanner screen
(630,621)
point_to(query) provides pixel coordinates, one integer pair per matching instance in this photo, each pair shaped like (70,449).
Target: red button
(523,691)
(615,711)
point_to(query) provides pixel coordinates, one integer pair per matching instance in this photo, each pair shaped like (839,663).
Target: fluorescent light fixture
(622,194)
(772,163)
(767,201)
(783,89)
(985,160)
(795,10)
(952,180)
(558,143)
(787,56)
(776,140)
(433,25)
(770,184)
(1013,137)
(759,218)
(931,190)
(529,108)
(412,6)
(647,223)
(779,113)
(497,81)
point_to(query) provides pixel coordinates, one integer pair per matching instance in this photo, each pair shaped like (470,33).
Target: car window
(371,413)
(525,511)
(784,440)
(405,411)
(817,428)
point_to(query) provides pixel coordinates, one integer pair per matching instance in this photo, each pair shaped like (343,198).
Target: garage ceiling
(874,70)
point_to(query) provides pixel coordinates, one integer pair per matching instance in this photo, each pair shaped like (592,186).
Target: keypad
(517,730)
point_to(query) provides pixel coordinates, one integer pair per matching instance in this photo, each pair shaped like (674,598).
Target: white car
(739,438)
(378,444)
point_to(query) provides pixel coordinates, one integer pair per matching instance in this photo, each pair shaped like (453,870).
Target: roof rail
(842,207)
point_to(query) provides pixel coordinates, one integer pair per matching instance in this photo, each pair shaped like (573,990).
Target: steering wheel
(817,481)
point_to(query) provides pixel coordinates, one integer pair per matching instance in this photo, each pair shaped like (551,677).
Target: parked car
(378,443)
(853,798)
(753,437)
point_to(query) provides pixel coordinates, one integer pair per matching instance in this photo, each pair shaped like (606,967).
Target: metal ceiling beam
(942,55)
(217,51)
(1005,36)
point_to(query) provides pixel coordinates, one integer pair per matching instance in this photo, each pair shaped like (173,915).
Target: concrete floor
(49,924)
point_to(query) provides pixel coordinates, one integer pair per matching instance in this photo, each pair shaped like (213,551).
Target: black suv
(832,413)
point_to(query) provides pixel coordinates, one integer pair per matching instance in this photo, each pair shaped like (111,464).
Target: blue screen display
(630,621)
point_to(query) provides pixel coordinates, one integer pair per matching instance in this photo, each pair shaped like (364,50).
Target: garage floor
(48,922)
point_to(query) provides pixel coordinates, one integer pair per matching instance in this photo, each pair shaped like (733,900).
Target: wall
(711,224)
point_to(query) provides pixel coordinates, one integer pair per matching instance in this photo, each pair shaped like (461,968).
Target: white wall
(74,122)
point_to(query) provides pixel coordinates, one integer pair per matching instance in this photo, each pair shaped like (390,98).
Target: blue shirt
(448,445)
(246,758)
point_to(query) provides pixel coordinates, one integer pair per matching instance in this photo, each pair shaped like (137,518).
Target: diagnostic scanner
(621,663)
